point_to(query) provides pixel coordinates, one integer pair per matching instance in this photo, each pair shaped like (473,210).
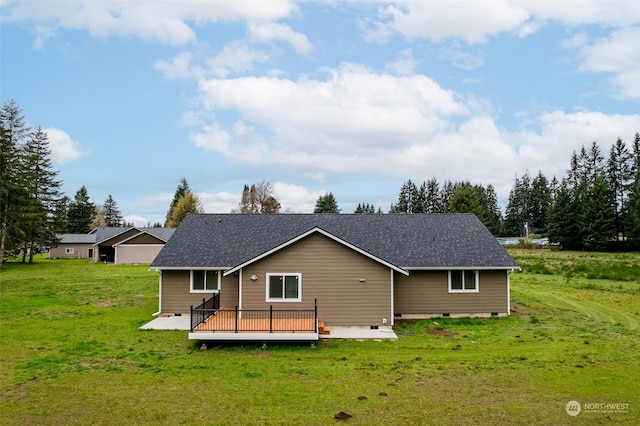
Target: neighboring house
(127,245)
(73,246)
(349,270)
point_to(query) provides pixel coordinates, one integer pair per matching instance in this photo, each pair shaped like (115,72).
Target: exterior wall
(331,273)
(127,254)
(177,297)
(106,246)
(427,293)
(144,238)
(79,251)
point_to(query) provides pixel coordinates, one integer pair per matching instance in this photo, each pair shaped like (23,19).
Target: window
(69,250)
(463,281)
(205,281)
(284,287)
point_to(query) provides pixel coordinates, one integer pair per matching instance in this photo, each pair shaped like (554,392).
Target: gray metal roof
(413,241)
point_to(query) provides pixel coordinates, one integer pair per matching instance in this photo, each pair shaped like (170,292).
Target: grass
(72,353)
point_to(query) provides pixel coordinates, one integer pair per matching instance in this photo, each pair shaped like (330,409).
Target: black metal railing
(200,313)
(234,320)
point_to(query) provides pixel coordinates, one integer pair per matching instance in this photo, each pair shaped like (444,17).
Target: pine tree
(620,179)
(112,214)
(12,196)
(258,199)
(365,208)
(633,213)
(540,200)
(563,219)
(181,190)
(465,199)
(81,212)
(326,203)
(433,202)
(599,215)
(61,215)
(43,192)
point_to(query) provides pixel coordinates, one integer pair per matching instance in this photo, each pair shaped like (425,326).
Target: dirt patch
(440,332)
(342,416)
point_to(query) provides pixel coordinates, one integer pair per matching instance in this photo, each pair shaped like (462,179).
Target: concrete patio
(337,332)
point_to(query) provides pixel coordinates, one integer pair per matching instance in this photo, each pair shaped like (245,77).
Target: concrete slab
(169,323)
(360,333)
(337,332)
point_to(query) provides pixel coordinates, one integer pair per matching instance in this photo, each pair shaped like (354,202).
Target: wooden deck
(257,325)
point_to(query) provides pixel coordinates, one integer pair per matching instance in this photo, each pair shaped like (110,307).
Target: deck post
(270,318)
(315,312)
(236,318)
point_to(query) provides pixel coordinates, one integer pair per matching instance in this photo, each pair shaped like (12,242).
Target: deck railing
(200,313)
(234,320)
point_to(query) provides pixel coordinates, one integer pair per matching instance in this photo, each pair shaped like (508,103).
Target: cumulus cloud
(265,31)
(63,148)
(405,64)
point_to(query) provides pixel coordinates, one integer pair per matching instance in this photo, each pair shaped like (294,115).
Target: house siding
(176,294)
(427,293)
(229,291)
(331,273)
(79,251)
(127,254)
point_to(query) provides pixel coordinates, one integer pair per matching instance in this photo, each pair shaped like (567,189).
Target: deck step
(324,328)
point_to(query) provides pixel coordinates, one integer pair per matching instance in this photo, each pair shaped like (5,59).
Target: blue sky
(351,97)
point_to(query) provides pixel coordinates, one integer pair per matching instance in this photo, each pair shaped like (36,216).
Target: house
(73,246)
(118,245)
(347,270)
(129,245)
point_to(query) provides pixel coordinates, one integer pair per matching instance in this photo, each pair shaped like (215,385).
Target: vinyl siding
(427,292)
(79,251)
(331,273)
(144,239)
(176,295)
(130,254)
(229,291)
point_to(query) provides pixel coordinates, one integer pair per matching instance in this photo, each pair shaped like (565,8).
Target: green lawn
(71,353)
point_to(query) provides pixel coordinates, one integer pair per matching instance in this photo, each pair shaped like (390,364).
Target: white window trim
(463,290)
(69,250)
(282,274)
(192,290)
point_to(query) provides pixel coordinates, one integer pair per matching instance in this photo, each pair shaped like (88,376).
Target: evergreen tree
(42,191)
(518,211)
(540,200)
(81,212)
(181,190)
(633,213)
(465,199)
(407,199)
(433,202)
(563,220)
(12,196)
(599,215)
(61,215)
(620,179)
(492,214)
(365,208)
(326,203)
(188,203)
(111,212)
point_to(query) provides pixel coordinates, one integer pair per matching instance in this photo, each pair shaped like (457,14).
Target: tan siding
(229,291)
(79,251)
(176,295)
(144,239)
(129,254)
(331,273)
(427,292)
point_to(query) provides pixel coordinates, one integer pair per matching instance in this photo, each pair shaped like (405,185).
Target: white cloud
(168,22)
(405,64)
(617,55)
(219,202)
(179,67)
(471,21)
(63,148)
(265,31)
(295,198)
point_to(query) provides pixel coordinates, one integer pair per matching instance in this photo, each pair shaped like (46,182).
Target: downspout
(509,292)
(159,293)
(392,301)
(240,291)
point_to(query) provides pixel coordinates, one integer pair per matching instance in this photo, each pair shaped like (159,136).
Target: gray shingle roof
(77,238)
(409,241)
